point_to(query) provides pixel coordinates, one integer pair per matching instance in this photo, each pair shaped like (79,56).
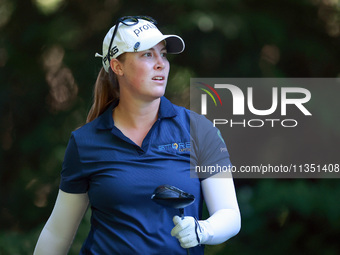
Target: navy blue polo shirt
(120,178)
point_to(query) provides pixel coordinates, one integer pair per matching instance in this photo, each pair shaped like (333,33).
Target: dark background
(47,72)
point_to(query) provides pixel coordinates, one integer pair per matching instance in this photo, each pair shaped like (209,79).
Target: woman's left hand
(187,231)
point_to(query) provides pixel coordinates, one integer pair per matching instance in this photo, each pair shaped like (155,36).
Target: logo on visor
(136,47)
(113,52)
(143,28)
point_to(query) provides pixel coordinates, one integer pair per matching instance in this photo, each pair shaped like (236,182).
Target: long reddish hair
(106,90)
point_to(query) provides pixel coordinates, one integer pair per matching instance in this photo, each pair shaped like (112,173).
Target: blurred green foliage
(47,70)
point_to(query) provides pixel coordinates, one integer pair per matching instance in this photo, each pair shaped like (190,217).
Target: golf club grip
(181,212)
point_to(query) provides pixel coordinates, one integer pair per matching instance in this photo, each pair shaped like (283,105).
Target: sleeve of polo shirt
(72,179)
(211,148)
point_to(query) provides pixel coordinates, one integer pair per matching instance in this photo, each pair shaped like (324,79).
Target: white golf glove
(189,231)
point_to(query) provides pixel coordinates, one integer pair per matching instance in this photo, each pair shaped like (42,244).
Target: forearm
(52,243)
(220,226)
(60,229)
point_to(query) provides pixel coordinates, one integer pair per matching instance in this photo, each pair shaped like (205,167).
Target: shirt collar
(166,110)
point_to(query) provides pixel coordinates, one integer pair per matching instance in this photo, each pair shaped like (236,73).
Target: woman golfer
(134,141)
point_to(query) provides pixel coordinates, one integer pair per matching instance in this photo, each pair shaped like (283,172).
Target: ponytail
(106,90)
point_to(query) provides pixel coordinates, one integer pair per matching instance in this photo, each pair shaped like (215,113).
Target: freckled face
(145,74)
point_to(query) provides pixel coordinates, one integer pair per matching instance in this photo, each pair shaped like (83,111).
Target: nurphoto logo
(243,102)
(272,127)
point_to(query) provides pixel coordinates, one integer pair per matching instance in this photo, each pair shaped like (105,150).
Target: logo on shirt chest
(177,146)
